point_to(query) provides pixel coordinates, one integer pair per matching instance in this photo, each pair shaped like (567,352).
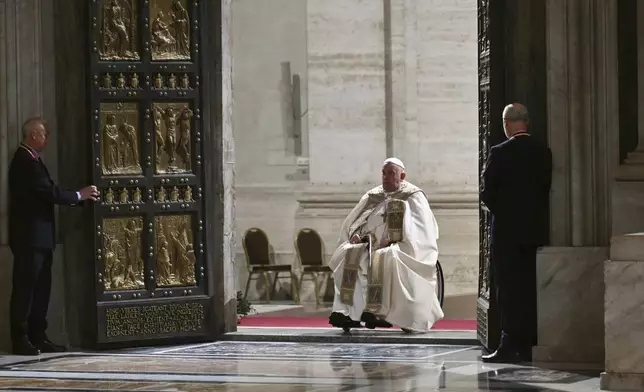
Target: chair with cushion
(310,251)
(258,261)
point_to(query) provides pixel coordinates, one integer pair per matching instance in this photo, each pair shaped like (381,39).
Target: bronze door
(149,241)
(491,93)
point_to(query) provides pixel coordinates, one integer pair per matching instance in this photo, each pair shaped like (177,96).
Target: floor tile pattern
(335,335)
(364,352)
(287,367)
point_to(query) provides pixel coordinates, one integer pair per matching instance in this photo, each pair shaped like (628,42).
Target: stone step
(334,335)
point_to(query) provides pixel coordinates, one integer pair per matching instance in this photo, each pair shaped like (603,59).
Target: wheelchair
(440,294)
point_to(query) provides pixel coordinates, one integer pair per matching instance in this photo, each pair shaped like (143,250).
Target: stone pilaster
(27,83)
(228,170)
(347,114)
(221,173)
(582,132)
(26,87)
(435,93)
(582,118)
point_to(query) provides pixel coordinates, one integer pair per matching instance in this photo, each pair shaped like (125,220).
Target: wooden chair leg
(326,279)
(316,285)
(267,282)
(295,291)
(300,281)
(303,275)
(250,276)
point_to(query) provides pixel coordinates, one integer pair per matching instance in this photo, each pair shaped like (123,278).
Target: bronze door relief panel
(147,154)
(491,102)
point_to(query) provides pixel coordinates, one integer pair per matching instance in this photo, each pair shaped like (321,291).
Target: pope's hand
(384,242)
(355,239)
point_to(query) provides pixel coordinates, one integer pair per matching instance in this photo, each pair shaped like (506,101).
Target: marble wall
(570,292)
(624,277)
(378,78)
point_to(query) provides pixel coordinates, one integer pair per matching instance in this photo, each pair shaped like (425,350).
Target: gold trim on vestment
(395,218)
(350,272)
(374,282)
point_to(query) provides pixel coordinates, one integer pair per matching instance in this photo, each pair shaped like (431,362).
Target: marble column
(27,84)
(582,118)
(582,131)
(220,171)
(228,314)
(624,323)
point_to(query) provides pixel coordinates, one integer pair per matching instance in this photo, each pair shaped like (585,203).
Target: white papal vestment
(398,282)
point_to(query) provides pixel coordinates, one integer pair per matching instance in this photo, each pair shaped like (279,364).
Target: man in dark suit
(32,195)
(516,188)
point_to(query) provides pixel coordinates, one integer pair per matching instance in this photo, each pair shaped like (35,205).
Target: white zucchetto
(394,161)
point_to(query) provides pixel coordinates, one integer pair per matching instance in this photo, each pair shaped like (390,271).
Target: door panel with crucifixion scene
(149,232)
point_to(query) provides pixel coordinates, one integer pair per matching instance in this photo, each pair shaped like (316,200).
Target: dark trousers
(514,269)
(30,293)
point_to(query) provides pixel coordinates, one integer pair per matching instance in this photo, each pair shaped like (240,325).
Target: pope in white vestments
(385,265)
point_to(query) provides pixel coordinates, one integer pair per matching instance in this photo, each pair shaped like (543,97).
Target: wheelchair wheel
(440,283)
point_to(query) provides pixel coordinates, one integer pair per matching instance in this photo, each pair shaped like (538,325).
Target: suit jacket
(32,195)
(516,190)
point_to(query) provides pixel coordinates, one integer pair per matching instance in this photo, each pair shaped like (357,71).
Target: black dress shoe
(24,347)
(373,322)
(339,320)
(46,346)
(505,356)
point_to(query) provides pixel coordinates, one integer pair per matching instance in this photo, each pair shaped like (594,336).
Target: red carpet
(319,322)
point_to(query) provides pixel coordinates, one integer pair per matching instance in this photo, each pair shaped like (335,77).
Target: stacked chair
(309,248)
(258,253)
(310,251)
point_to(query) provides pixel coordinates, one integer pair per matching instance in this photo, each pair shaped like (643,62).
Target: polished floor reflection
(287,367)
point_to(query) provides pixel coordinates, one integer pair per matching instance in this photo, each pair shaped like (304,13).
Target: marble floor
(335,335)
(285,367)
(455,307)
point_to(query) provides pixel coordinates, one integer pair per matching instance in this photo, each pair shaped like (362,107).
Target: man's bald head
(35,133)
(515,119)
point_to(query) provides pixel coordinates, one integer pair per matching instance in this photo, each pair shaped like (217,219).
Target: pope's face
(392,176)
